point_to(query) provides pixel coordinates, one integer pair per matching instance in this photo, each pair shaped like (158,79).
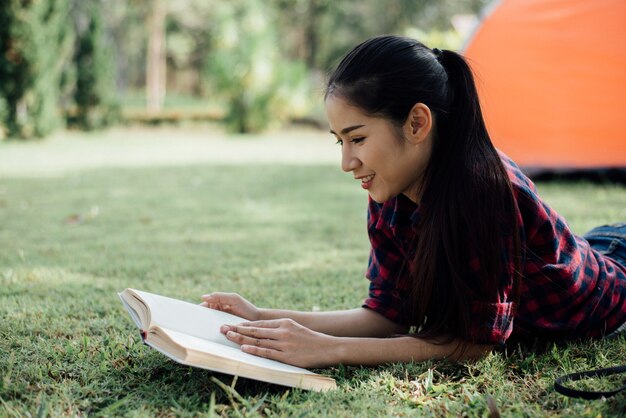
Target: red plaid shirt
(567,289)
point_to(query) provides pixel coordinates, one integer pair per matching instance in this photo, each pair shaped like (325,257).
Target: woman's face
(385,159)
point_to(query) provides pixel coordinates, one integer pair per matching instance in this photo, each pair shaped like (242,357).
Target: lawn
(282,234)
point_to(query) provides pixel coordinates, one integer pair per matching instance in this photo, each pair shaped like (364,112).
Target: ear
(418,124)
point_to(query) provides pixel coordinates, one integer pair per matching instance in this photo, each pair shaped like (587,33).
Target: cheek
(404,171)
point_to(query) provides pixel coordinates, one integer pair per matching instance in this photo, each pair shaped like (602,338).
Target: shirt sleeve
(492,323)
(493,310)
(492,315)
(385,269)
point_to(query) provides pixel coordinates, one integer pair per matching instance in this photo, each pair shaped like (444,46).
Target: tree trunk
(155,64)
(314,11)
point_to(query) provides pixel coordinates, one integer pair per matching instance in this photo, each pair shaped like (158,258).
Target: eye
(357,140)
(339,142)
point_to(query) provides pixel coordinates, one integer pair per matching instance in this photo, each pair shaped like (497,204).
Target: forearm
(358,322)
(292,340)
(374,351)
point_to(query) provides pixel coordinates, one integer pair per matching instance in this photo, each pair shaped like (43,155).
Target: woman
(465,256)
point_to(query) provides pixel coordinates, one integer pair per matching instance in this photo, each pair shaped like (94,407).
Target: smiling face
(386,159)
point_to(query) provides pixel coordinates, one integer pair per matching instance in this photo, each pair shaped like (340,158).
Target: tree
(35,45)
(321,31)
(94,96)
(155,60)
(247,69)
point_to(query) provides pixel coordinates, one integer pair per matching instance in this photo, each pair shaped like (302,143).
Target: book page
(133,314)
(188,318)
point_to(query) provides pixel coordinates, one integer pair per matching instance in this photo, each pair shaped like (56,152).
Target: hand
(286,341)
(233,304)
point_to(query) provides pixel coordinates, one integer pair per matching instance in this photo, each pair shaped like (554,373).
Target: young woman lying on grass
(464,255)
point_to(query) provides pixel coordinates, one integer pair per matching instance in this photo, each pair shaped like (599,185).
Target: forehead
(341,113)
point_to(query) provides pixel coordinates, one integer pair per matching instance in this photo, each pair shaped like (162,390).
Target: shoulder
(519,180)
(524,190)
(537,218)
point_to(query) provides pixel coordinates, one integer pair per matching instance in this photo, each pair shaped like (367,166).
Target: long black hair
(467,208)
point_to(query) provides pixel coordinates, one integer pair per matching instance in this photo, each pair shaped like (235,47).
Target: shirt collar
(399,214)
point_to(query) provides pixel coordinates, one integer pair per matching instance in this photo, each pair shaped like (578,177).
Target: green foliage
(94,95)
(322,31)
(282,235)
(262,61)
(35,44)
(246,69)
(446,39)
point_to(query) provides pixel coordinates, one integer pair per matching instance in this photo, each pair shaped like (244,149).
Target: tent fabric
(551,76)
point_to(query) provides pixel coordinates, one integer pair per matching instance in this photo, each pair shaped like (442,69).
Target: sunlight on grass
(127,147)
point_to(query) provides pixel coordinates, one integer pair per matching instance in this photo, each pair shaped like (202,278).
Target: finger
(255,332)
(215,306)
(219,297)
(267,323)
(221,301)
(245,340)
(268,353)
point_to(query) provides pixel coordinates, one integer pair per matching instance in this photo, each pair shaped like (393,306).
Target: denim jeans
(610,240)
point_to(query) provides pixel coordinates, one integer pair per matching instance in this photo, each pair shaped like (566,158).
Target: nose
(349,161)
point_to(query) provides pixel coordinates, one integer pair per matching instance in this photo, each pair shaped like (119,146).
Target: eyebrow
(348,129)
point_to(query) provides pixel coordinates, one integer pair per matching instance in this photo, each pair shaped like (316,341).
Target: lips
(366,181)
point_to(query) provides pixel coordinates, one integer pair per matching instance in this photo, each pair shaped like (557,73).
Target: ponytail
(468,210)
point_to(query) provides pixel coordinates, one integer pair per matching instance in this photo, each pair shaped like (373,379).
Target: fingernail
(224,328)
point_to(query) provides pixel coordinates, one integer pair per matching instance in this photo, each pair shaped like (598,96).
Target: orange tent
(551,76)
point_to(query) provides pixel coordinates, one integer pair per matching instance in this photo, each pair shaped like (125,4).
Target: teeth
(367,179)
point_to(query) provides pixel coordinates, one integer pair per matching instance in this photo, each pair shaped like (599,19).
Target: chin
(379,198)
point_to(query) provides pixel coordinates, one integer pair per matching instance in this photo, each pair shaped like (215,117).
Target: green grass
(283,236)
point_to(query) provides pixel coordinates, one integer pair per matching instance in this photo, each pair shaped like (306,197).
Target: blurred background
(246,64)
(181,147)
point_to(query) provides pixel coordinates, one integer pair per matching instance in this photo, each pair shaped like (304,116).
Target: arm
(319,339)
(358,322)
(373,351)
(287,341)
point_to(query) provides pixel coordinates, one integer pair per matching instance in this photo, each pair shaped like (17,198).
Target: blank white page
(189,318)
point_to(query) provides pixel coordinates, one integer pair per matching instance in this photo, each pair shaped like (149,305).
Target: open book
(189,334)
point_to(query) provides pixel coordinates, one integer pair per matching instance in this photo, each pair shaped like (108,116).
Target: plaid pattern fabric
(567,290)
